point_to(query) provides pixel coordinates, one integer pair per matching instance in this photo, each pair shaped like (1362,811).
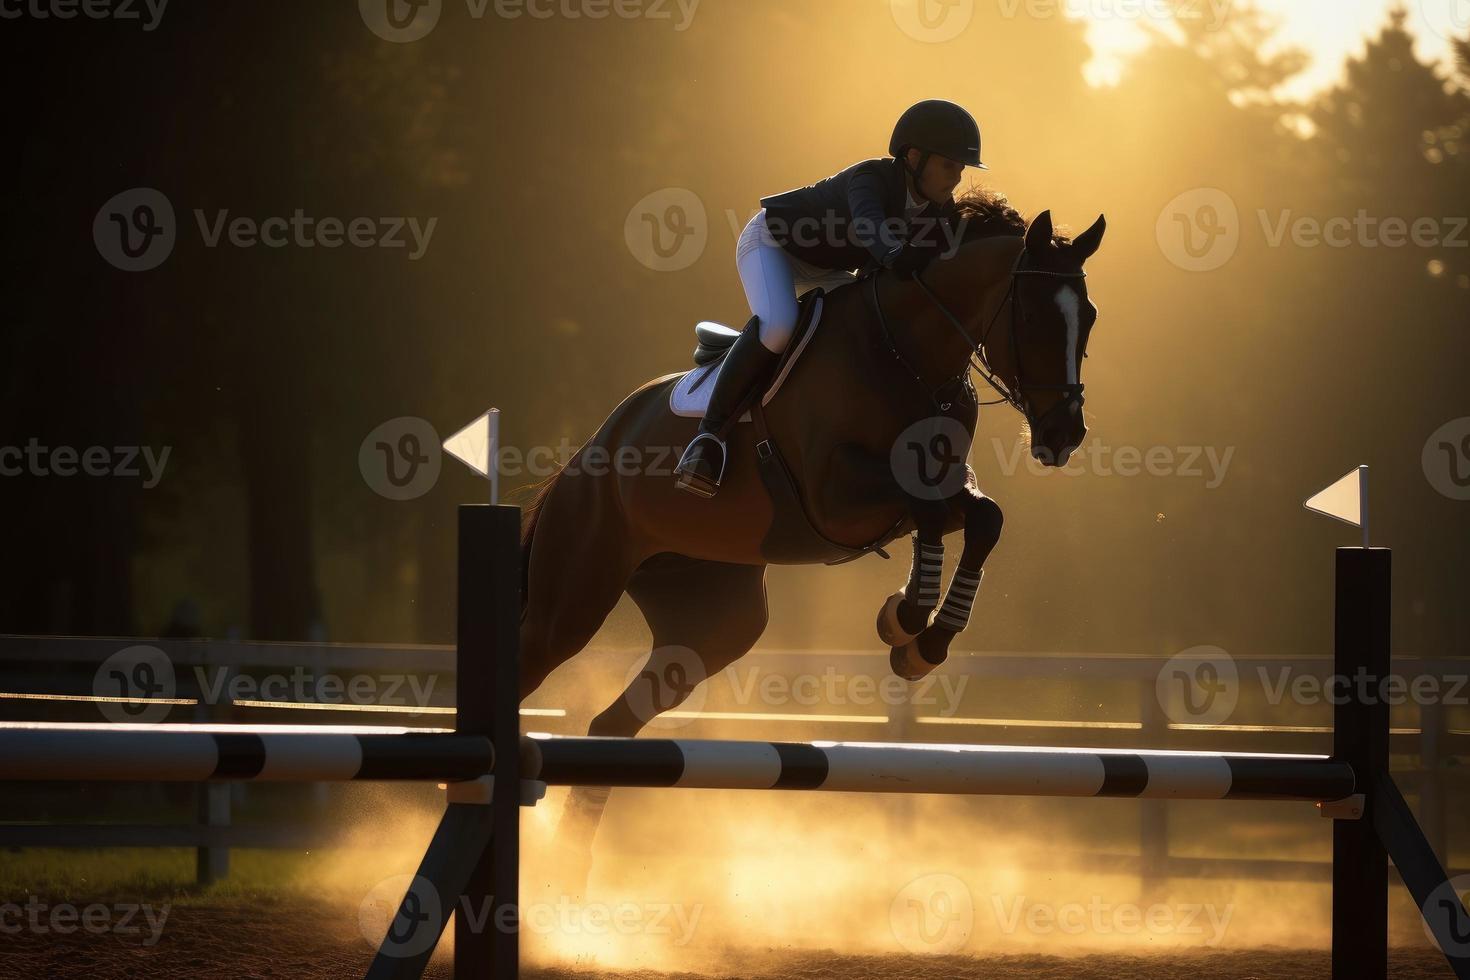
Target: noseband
(1016,396)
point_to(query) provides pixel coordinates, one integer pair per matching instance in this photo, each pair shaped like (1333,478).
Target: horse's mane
(985,213)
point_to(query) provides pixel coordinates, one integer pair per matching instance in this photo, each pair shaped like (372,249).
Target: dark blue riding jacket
(854,219)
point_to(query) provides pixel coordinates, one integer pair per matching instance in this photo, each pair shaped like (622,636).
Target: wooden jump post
(473,862)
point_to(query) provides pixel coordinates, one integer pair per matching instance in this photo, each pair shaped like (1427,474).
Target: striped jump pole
(972,770)
(201,753)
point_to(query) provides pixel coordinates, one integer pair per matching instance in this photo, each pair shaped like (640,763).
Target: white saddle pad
(690,397)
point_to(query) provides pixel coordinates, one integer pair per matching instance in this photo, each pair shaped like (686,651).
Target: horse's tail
(530,515)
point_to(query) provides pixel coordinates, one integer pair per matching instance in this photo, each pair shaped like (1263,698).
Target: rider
(871,215)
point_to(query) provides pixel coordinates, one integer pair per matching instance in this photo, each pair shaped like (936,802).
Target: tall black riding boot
(747,364)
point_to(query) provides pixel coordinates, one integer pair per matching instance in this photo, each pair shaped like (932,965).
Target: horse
(884,378)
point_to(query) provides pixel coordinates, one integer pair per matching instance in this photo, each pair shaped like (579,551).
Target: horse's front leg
(917,646)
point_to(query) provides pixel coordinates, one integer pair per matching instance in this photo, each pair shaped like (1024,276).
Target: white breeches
(773,278)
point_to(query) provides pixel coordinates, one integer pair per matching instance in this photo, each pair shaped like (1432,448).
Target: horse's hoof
(908,663)
(890,630)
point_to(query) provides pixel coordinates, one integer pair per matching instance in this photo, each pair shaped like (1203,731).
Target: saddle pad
(690,395)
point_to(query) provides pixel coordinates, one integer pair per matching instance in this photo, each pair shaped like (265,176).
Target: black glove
(910,261)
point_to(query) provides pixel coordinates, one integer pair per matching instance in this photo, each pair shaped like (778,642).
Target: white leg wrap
(955,613)
(924,578)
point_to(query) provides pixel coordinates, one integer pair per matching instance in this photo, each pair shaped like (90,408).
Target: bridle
(1017,396)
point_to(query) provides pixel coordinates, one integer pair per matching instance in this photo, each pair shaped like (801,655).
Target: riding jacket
(859,218)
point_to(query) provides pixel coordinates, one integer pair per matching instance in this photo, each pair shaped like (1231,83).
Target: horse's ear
(1038,236)
(1087,242)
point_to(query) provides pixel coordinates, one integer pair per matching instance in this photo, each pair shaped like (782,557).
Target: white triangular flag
(471,445)
(1345,499)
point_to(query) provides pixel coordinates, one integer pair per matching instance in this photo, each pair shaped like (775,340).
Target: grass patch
(138,873)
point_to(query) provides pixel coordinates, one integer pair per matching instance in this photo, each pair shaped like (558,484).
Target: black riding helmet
(937,126)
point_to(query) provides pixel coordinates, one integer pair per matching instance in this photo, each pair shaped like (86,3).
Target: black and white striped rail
(980,770)
(264,753)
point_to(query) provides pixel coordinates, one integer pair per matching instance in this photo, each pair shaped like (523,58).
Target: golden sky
(1330,30)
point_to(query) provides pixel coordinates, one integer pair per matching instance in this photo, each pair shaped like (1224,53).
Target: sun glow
(1328,30)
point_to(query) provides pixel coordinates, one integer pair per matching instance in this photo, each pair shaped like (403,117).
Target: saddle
(792,538)
(690,396)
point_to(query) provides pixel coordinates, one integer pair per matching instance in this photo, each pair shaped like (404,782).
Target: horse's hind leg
(579,567)
(704,616)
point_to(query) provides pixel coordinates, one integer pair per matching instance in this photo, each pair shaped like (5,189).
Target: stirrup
(694,483)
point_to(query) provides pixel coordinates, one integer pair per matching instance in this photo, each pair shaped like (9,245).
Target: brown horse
(873,423)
